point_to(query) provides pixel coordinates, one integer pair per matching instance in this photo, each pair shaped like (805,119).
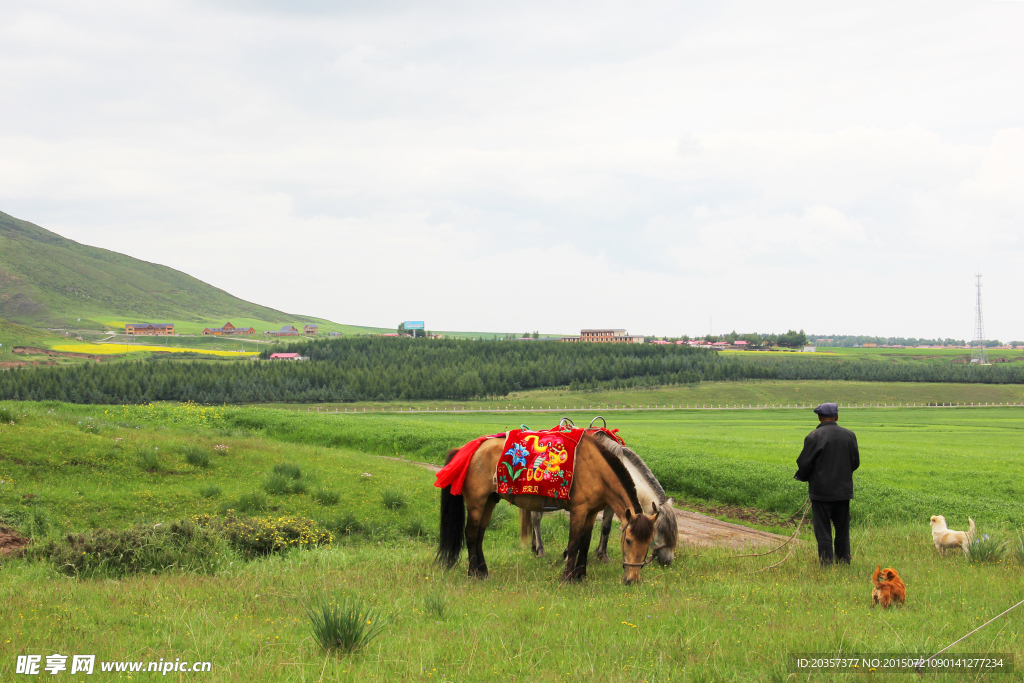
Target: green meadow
(82,469)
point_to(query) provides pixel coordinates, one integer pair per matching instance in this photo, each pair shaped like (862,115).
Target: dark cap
(828,409)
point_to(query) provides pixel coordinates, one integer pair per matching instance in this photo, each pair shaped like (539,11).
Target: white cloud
(479,166)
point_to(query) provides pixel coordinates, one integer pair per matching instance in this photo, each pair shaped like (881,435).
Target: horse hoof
(602,557)
(540,553)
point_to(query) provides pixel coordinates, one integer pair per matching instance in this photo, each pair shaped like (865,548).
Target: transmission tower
(978,357)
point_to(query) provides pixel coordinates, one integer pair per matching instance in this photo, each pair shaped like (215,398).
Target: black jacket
(827,462)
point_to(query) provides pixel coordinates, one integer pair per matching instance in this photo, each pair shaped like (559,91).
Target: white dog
(944,537)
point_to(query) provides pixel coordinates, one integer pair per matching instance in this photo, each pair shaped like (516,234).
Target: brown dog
(890,590)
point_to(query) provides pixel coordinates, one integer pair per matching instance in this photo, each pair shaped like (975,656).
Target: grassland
(881,355)
(704,619)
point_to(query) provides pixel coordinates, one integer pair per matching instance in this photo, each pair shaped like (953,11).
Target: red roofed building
(285,356)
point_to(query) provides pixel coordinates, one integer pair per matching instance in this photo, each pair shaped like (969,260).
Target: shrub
(984,549)
(326,496)
(393,499)
(287,469)
(299,486)
(435,603)
(198,456)
(256,536)
(181,545)
(346,626)
(211,491)
(8,415)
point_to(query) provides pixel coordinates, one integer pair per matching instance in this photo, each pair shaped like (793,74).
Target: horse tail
(525,526)
(453,524)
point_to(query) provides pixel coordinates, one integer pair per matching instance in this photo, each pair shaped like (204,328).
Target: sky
(667,168)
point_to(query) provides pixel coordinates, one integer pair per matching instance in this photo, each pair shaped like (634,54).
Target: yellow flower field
(112,349)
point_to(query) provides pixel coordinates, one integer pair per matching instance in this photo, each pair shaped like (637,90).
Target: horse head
(666,534)
(637,536)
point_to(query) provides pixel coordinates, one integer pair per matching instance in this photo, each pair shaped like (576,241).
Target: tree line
(377,369)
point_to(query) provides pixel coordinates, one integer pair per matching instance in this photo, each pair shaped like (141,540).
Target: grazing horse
(600,481)
(648,491)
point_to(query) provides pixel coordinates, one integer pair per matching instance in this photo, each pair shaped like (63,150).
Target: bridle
(648,557)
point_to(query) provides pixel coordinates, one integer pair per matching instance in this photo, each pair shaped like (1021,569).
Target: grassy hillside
(12,334)
(47,280)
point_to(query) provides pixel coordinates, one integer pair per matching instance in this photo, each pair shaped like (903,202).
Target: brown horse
(648,490)
(600,480)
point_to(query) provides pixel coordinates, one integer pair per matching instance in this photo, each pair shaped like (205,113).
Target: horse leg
(581,556)
(606,530)
(538,542)
(485,520)
(474,532)
(577,521)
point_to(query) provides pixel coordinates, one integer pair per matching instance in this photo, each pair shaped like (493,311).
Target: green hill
(12,335)
(49,281)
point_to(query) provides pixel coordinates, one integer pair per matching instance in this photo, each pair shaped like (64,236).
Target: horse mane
(637,462)
(643,528)
(623,475)
(668,524)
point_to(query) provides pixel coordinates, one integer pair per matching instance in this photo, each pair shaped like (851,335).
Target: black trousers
(827,513)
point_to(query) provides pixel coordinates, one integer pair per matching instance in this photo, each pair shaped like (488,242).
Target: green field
(76,468)
(879,355)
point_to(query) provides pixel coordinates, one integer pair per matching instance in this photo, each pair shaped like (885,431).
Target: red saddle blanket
(525,470)
(538,463)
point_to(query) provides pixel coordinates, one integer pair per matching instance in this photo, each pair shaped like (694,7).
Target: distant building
(285,331)
(285,356)
(334,334)
(390,334)
(310,329)
(228,330)
(740,342)
(150,329)
(870,346)
(810,349)
(611,336)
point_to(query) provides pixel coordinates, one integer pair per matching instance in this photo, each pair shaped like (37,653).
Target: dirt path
(695,529)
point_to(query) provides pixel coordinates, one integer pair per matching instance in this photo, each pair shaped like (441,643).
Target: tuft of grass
(251,502)
(343,626)
(289,470)
(394,499)
(1018,548)
(32,522)
(326,496)
(344,525)
(197,456)
(149,459)
(277,484)
(417,528)
(8,415)
(211,491)
(435,603)
(984,549)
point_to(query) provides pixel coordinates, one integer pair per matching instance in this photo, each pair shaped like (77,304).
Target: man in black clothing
(826,463)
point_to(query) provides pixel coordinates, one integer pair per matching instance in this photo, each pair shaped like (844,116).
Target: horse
(600,481)
(649,492)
